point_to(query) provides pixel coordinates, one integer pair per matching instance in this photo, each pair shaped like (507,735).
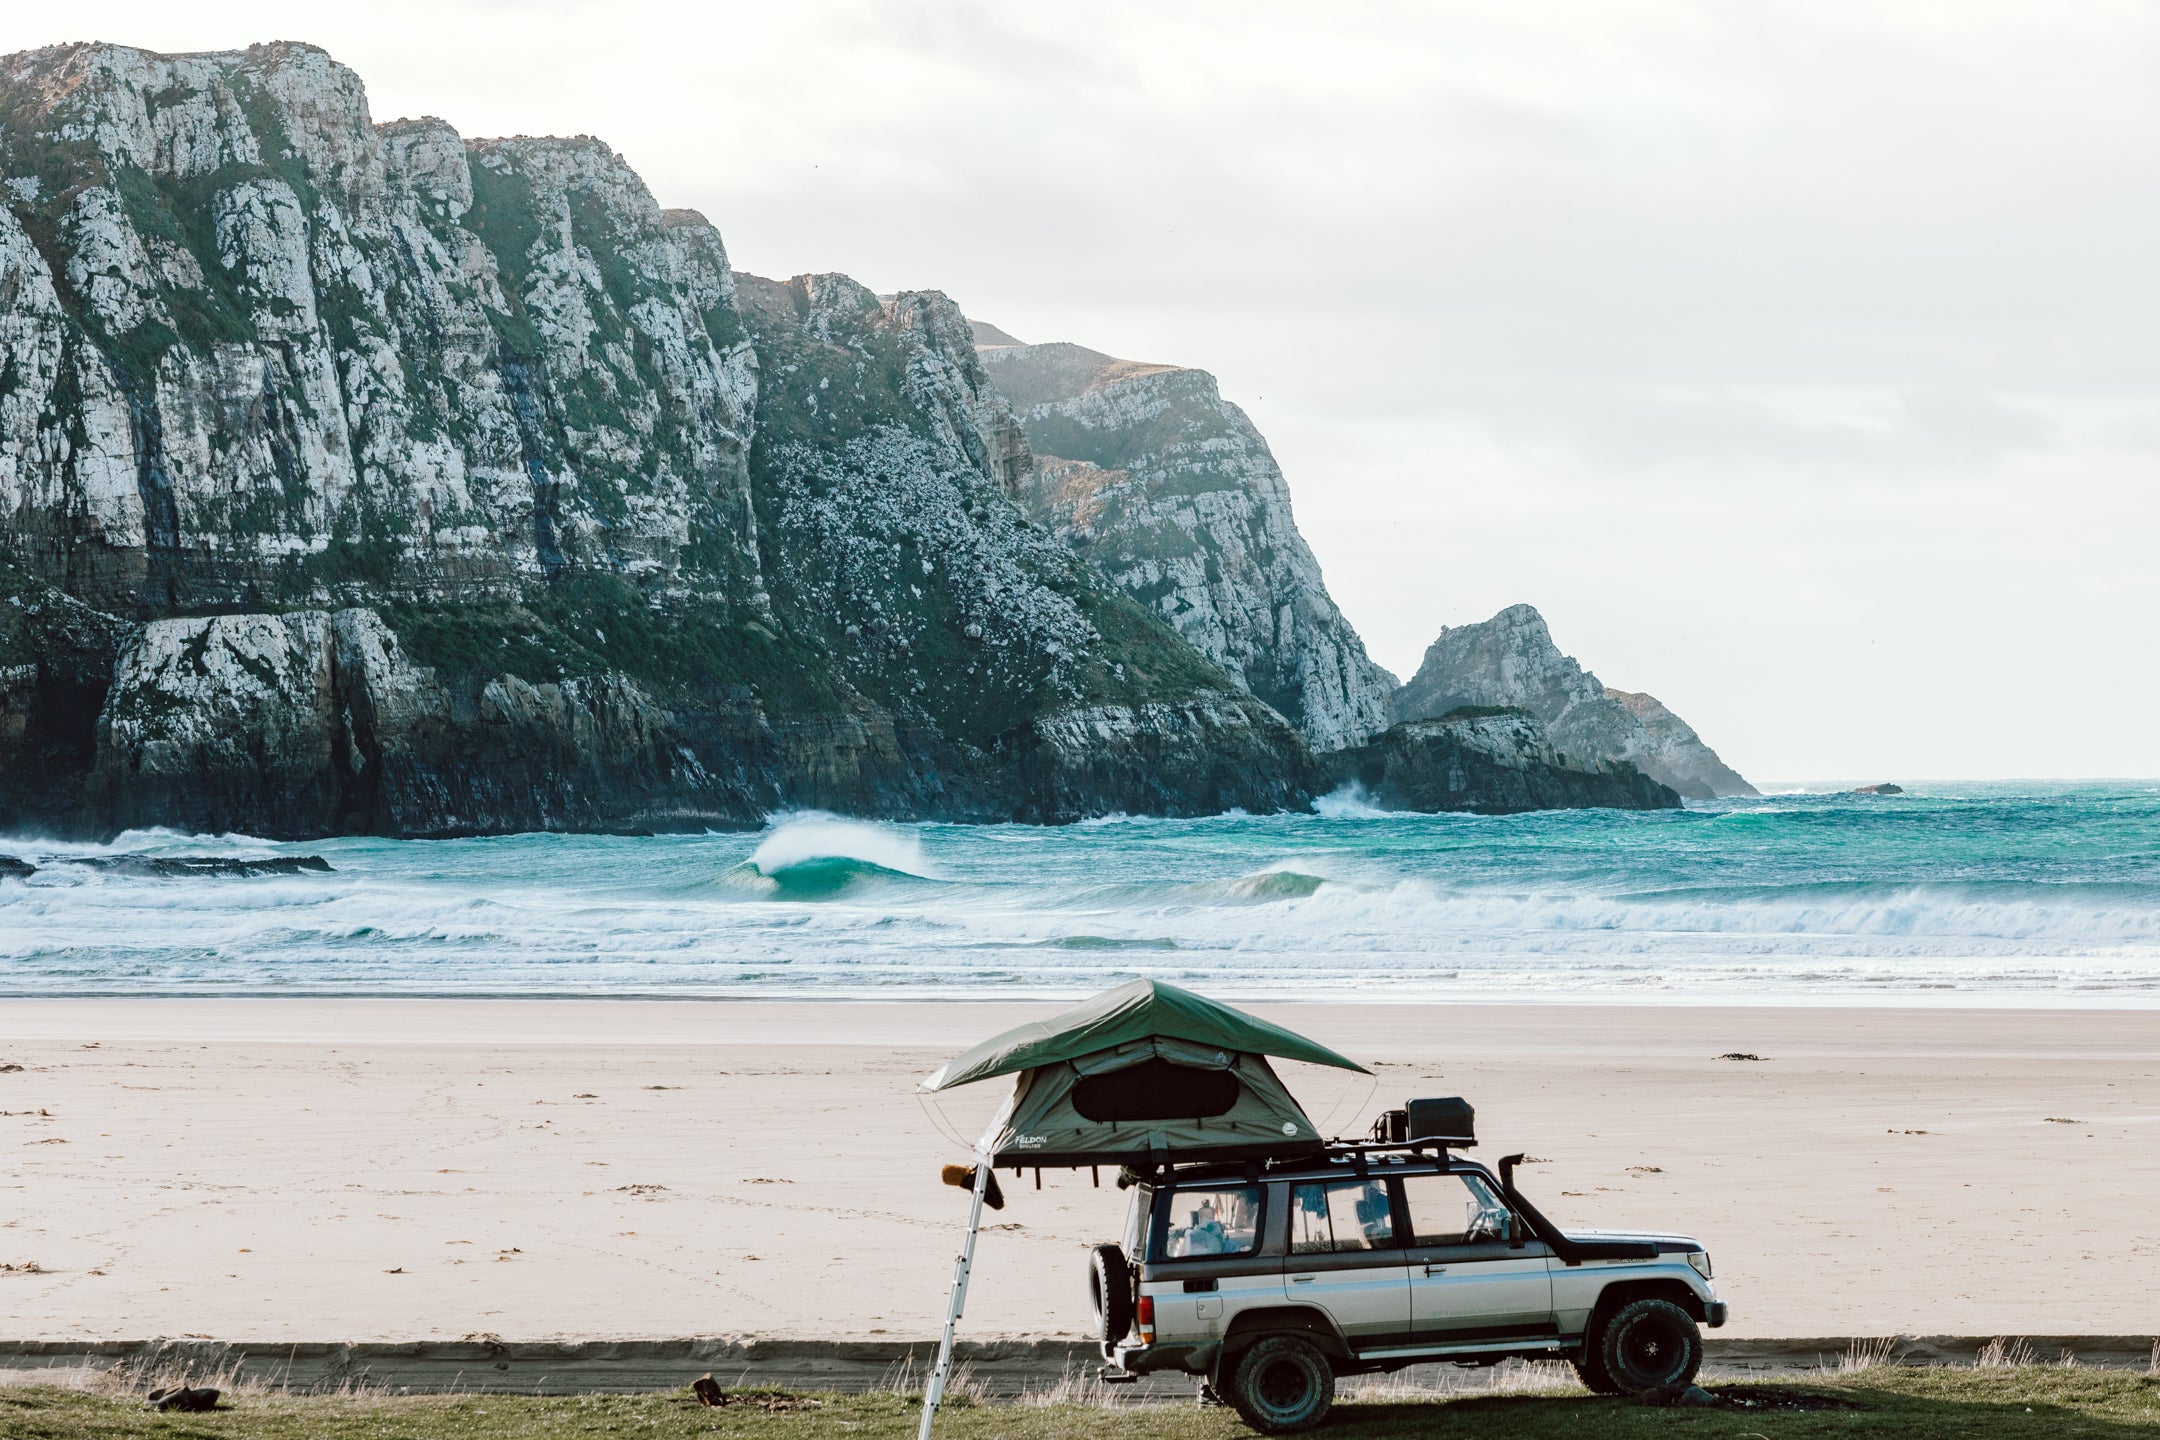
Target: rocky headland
(1511,661)
(1494,760)
(363,477)
(1147,471)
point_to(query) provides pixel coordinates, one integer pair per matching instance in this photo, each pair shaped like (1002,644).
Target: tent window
(1155,1090)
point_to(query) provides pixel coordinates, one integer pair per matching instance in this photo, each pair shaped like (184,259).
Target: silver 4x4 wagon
(1270,1280)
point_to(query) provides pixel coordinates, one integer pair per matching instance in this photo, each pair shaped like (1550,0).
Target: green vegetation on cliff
(591,625)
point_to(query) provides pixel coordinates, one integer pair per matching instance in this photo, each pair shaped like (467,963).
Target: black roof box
(1448,1120)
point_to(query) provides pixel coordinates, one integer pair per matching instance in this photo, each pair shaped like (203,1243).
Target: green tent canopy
(1141,1010)
(1145,1074)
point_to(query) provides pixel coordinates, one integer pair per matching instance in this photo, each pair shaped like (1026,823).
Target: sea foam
(1988,896)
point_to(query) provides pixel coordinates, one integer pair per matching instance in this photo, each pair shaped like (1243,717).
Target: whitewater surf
(1993,894)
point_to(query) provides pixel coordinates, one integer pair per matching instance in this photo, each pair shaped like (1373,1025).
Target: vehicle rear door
(1210,1259)
(1346,1257)
(1467,1283)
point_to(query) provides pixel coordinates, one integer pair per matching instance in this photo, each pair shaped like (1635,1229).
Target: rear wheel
(1648,1344)
(1281,1385)
(1110,1293)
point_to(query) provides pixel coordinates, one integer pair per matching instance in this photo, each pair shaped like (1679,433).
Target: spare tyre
(1110,1293)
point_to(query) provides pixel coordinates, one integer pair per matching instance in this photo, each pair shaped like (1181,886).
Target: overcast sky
(1800,362)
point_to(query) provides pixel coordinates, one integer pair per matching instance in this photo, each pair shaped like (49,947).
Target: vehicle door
(1209,1243)
(1346,1257)
(1467,1282)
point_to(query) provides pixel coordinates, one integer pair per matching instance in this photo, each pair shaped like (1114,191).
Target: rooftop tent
(1142,1074)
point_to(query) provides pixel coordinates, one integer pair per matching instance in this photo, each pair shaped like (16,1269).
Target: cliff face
(263,352)
(1489,761)
(1147,471)
(364,477)
(1511,660)
(1693,767)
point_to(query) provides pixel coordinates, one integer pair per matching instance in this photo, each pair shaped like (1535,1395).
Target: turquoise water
(1992,894)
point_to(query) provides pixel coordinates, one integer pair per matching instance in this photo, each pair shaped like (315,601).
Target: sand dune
(358,1170)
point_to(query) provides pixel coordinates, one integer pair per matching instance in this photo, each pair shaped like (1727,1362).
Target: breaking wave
(810,857)
(1349,802)
(1271,885)
(1992,896)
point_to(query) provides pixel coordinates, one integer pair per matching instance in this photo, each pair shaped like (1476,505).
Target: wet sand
(408,1170)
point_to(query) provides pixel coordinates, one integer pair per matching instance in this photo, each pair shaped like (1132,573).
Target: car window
(1221,1220)
(1454,1209)
(1341,1215)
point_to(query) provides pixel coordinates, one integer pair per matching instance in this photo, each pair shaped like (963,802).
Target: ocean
(2015,893)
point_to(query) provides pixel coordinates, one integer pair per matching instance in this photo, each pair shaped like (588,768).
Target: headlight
(1700,1259)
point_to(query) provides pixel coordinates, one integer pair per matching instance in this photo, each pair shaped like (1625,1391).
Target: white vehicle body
(1380,1258)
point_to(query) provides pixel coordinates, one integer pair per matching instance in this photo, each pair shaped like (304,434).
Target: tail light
(1144,1316)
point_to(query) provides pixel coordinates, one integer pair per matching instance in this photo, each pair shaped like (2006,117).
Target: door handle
(1301,1279)
(1436,1269)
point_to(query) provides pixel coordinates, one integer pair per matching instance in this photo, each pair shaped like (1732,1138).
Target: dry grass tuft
(1437,1382)
(2002,1353)
(1863,1355)
(910,1382)
(1081,1386)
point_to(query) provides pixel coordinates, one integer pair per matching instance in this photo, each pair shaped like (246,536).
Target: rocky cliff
(362,477)
(368,477)
(1511,660)
(1489,761)
(1678,751)
(1168,488)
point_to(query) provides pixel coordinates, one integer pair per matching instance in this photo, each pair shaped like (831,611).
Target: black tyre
(1590,1369)
(1649,1343)
(1110,1293)
(1282,1385)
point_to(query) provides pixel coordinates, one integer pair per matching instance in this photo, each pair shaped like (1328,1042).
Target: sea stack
(1511,660)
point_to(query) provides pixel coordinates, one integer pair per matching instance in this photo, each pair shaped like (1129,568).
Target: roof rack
(1440,1144)
(1332,1152)
(1431,1126)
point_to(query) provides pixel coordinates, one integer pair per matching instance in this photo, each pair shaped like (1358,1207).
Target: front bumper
(1714,1313)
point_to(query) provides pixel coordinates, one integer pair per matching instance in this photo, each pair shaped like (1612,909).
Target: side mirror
(1515,1237)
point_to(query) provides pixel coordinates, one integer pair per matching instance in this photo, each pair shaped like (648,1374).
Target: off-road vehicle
(1269,1279)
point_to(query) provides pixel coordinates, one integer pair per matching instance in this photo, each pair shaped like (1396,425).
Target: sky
(1800,362)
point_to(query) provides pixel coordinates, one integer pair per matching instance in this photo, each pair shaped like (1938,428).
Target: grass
(1861,1399)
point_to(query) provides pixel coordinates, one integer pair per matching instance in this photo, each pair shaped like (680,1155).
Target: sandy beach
(403,1170)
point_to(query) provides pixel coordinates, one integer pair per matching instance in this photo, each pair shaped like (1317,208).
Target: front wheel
(1282,1385)
(1648,1344)
(1590,1369)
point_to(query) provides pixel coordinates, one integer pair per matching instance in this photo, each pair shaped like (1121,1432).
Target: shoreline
(2047,1002)
(918,1021)
(413,1171)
